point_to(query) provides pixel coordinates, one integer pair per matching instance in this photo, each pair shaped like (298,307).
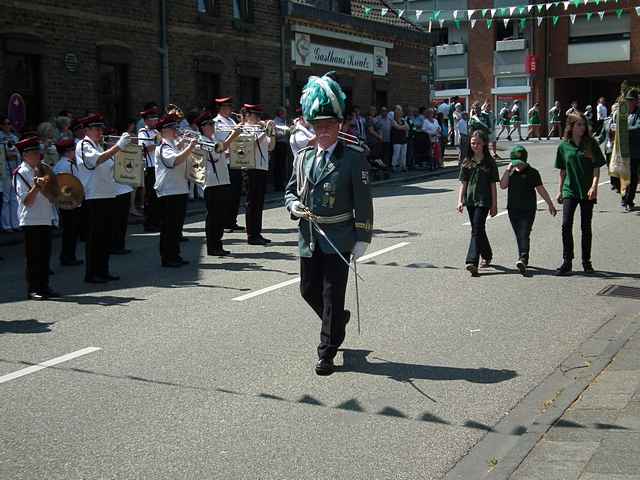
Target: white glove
(298,209)
(359,249)
(123,141)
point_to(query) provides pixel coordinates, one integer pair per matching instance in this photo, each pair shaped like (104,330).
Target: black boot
(587,266)
(564,270)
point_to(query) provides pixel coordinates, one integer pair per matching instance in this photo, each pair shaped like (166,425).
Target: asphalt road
(190,383)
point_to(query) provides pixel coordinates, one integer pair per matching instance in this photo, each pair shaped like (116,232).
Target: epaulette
(305,149)
(355,147)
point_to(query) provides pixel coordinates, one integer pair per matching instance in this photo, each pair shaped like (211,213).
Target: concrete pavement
(190,383)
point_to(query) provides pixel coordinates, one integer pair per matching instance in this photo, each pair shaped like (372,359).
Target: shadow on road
(356,361)
(25,326)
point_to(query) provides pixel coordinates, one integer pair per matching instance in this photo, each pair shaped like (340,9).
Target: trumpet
(202,142)
(115,138)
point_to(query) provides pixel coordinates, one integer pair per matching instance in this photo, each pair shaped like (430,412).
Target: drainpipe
(164,55)
(283,53)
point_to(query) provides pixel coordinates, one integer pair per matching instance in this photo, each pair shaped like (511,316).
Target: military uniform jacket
(341,187)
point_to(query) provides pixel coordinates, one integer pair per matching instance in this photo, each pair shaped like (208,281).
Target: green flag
(502,12)
(619,12)
(484,12)
(489,24)
(555,19)
(589,15)
(436,14)
(367,11)
(457,24)
(521,10)
(523,23)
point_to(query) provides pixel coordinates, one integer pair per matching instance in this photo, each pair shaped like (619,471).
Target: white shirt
(300,137)
(261,152)
(123,188)
(171,179)
(601,111)
(40,212)
(431,127)
(151,134)
(64,165)
(444,108)
(217,169)
(320,154)
(97,180)
(463,127)
(225,123)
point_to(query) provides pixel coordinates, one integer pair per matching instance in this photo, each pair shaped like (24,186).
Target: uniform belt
(343,217)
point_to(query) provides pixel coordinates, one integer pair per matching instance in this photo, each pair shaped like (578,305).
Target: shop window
(248,89)
(112,93)
(207,7)
(512,82)
(243,10)
(508,32)
(207,87)
(22,75)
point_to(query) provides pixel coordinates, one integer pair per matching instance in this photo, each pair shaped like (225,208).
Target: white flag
(473,22)
(529,7)
(638,11)
(566,5)
(470,13)
(384,11)
(493,12)
(506,22)
(586,2)
(601,15)
(400,13)
(549,5)
(511,10)
(418,14)
(441,22)
(539,19)
(573,18)
(429,26)
(455,14)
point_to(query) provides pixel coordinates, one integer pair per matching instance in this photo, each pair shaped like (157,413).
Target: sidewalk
(197,207)
(598,436)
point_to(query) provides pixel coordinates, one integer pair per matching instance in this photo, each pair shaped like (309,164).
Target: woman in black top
(478,192)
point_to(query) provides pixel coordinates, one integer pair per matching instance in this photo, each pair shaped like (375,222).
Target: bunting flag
(638,11)
(619,12)
(457,24)
(429,26)
(367,11)
(484,12)
(573,18)
(555,19)
(471,12)
(523,23)
(529,8)
(400,13)
(597,2)
(601,14)
(521,10)
(436,14)
(576,3)
(502,12)
(586,1)
(455,14)
(489,24)
(441,22)
(589,15)
(566,5)
(506,22)
(493,12)
(556,4)
(384,11)
(511,10)
(540,7)
(473,23)
(418,14)
(539,19)
(549,5)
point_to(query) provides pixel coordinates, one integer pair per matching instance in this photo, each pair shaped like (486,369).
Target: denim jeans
(522,223)
(479,244)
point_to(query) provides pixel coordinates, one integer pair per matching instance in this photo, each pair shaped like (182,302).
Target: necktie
(321,164)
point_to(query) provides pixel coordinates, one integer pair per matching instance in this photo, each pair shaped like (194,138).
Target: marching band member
(70,220)
(148,131)
(217,191)
(120,219)
(302,135)
(78,129)
(35,211)
(95,167)
(172,189)
(8,219)
(223,121)
(330,181)
(257,177)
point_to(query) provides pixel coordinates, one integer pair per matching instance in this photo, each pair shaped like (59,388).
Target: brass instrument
(112,138)
(202,142)
(173,109)
(45,176)
(70,192)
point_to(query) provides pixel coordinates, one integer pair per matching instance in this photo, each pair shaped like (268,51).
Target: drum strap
(213,165)
(162,157)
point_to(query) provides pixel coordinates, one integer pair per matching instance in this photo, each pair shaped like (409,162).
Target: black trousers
(173,210)
(99,212)
(569,206)
(70,221)
(235,176)
(387,153)
(151,203)
(256,189)
(37,245)
(120,221)
(479,244)
(218,199)
(280,163)
(323,284)
(522,223)
(630,192)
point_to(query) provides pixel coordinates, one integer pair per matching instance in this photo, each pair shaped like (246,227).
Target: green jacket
(342,187)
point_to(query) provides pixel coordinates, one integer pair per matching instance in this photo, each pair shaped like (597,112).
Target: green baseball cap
(519,156)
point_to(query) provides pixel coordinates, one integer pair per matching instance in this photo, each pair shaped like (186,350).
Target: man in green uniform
(329,192)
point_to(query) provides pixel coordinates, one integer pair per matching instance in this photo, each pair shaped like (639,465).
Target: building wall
(481,46)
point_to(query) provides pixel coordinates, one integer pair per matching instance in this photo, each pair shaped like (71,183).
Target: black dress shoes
(324,367)
(36,296)
(183,261)
(564,270)
(256,241)
(588,267)
(49,293)
(95,280)
(110,278)
(265,240)
(218,253)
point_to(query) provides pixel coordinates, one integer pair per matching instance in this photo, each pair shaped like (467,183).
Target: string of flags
(520,13)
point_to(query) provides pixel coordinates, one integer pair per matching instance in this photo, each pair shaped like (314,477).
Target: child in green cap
(523,181)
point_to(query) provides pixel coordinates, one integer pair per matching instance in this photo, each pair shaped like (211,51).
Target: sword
(355,269)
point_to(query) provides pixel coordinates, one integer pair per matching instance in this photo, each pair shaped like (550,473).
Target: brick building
(116,56)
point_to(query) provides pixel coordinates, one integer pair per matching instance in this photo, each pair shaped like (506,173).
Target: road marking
(504,212)
(293,281)
(48,363)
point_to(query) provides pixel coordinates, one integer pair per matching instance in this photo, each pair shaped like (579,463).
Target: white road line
(293,281)
(48,363)
(504,212)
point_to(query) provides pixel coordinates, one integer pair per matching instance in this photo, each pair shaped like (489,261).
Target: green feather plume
(322,97)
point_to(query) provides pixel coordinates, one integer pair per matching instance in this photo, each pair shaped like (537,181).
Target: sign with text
(305,53)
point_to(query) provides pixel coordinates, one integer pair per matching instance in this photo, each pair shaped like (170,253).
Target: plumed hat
(322,97)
